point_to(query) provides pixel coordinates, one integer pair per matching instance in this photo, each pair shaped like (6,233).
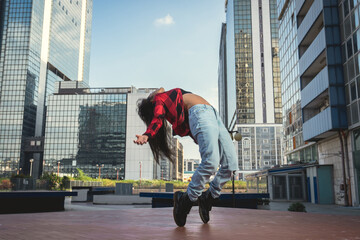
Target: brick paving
(153,224)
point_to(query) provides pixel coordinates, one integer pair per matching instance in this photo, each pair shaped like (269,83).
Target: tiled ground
(153,224)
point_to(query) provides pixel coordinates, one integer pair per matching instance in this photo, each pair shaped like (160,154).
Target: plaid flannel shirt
(169,105)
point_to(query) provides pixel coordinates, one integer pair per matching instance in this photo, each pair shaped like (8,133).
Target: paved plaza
(86,221)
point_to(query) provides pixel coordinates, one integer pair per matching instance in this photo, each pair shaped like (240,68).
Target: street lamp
(237,135)
(117,173)
(31,162)
(100,166)
(58,167)
(237,138)
(140,172)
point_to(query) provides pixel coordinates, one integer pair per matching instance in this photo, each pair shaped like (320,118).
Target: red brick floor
(153,224)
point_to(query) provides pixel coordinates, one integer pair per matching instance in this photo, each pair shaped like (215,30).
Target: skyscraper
(41,42)
(249,81)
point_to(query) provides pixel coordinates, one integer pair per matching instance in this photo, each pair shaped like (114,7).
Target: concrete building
(322,37)
(179,156)
(249,82)
(93,129)
(190,165)
(322,86)
(41,42)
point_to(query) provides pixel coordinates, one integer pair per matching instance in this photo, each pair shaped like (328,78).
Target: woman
(190,115)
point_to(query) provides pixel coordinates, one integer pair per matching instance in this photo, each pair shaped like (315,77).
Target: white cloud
(165,21)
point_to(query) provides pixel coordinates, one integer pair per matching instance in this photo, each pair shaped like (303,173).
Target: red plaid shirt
(169,105)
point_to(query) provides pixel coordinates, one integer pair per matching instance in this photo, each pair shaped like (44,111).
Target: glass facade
(244,62)
(23,86)
(275,61)
(290,80)
(88,27)
(21,24)
(350,36)
(86,131)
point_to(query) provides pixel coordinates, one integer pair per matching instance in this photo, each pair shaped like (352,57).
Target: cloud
(165,21)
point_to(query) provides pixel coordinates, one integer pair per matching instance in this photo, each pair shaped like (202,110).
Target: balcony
(302,7)
(311,24)
(318,125)
(314,59)
(325,124)
(315,87)
(299,4)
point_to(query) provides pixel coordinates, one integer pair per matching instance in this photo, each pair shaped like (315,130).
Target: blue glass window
(346,8)
(349,48)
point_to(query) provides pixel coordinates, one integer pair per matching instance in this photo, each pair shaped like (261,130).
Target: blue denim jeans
(216,149)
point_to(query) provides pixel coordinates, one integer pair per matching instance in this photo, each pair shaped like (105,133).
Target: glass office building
(93,129)
(349,12)
(249,81)
(86,130)
(41,42)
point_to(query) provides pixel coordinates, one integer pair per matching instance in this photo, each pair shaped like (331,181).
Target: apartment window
(349,48)
(346,8)
(353,91)
(358,86)
(354,113)
(347,28)
(351,69)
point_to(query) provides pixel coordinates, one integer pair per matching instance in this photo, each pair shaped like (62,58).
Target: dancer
(190,115)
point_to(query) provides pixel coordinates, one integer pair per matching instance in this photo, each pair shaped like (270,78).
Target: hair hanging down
(159,144)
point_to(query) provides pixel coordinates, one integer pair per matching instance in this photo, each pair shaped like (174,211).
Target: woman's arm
(154,126)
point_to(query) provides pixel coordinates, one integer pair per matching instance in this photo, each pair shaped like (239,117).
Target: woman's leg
(228,161)
(205,129)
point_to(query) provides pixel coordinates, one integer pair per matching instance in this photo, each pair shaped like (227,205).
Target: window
(346,7)
(349,48)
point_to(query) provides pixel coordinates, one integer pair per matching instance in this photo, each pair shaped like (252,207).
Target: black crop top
(184,92)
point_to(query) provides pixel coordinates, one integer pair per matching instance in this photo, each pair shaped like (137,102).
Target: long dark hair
(159,144)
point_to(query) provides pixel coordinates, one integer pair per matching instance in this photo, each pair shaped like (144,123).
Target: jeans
(216,149)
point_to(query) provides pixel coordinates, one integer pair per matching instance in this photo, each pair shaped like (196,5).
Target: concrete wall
(137,153)
(329,151)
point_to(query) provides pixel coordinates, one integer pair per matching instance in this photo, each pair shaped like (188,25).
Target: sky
(158,43)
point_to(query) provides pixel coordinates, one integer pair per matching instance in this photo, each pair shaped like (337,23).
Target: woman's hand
(141,139)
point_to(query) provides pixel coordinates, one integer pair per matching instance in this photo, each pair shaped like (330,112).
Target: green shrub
(237,184)
(297,207)
(53,180)
(64,181)
(20,176)
(83,177)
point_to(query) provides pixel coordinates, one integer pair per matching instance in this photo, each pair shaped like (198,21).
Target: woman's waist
(197,107)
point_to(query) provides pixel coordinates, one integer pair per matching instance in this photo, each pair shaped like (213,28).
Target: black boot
(182,207)
(205,203)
